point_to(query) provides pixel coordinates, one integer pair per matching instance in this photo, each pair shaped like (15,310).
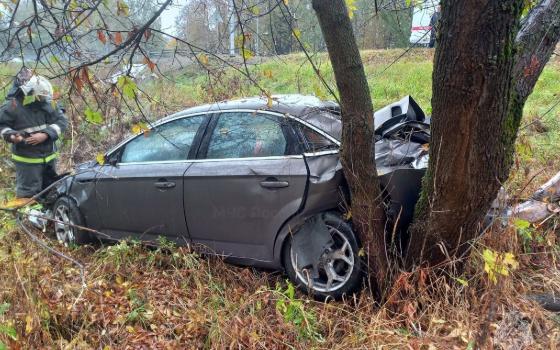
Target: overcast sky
(170,14)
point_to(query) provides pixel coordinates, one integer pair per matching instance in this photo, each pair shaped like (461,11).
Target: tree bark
(473,130)
(535,42)
(357,134)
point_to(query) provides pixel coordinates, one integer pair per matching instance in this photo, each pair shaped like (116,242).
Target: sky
(170,14)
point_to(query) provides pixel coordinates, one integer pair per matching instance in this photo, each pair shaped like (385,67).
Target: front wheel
(66,217)
(336,271)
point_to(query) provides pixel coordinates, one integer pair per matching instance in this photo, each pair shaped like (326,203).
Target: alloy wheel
(334,267)
(65,233)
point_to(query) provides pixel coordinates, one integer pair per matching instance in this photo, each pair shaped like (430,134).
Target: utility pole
(232,29)
(258,37)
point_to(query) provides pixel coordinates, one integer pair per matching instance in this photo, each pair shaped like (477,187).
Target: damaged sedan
(260,185)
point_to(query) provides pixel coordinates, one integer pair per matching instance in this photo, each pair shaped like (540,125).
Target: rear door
(249,179)
(143,192)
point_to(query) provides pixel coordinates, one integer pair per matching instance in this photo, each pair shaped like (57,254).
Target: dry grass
(169,298)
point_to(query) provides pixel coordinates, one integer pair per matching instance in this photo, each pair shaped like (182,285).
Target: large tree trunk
(472,127)
(473,131)
(357,133)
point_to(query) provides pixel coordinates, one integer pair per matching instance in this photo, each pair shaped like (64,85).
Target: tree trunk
(473,130)
(535,43)
(357,133)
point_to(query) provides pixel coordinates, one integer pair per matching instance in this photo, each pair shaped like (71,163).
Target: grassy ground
(136,297)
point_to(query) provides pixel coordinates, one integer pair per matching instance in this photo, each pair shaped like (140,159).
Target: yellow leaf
(351,6)
(119,280)
(239,40)
(139,128)
(297,33)
(269,101)
(108,293)
(100,158)
(122,8)
(203,58)
(509,259)
(319,92)
(130,329)
(106,347)
(246,53)
(267,73)
(28,324)
(171,44)
(285,2)
(255,10)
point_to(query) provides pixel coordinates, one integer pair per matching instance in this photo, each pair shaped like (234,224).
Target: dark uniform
(35,164)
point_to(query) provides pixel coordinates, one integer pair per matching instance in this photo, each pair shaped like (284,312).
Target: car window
(170,141)
(245,134)
(315,141)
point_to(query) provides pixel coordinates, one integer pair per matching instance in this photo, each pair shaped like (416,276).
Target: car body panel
(221,204)
(326,191)
(229,211)
(129,202)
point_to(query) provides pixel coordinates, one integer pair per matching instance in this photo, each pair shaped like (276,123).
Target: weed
(6,328)
(294,311)
(140,312)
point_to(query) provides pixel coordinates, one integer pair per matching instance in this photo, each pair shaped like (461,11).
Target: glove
(10,135)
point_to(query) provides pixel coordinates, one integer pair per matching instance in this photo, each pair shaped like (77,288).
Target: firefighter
(31,122)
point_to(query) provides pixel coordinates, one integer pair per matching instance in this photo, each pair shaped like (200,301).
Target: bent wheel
(337,271)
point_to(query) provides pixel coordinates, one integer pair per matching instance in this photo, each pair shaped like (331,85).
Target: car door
(142,192)
(250,178)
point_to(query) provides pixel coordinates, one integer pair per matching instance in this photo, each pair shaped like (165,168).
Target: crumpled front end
(402,135)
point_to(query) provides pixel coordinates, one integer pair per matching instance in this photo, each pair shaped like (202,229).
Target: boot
(18,202)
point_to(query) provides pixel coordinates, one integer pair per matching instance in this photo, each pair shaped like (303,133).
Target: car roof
(324,115)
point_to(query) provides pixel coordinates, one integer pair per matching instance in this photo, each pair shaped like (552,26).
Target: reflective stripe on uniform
(29,160)
(34,129)
(56,128)
(5,130)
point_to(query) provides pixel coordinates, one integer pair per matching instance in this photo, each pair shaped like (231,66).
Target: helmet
(38,86)
(23,76)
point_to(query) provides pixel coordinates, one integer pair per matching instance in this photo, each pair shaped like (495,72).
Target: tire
(349,269)
(65,210)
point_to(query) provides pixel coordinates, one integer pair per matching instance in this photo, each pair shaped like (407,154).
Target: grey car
(258,184)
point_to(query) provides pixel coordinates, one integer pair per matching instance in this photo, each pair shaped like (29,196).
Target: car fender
(326,191)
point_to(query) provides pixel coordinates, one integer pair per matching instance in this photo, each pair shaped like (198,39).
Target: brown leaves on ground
(140,298)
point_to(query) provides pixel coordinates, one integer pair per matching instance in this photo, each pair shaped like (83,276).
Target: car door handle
(274,183)
(164,185)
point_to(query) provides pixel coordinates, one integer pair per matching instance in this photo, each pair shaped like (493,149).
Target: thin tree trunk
(469,155)
(535,43)
(357,133)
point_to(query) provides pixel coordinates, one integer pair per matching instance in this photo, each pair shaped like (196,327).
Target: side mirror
(109,160)
(112,160)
